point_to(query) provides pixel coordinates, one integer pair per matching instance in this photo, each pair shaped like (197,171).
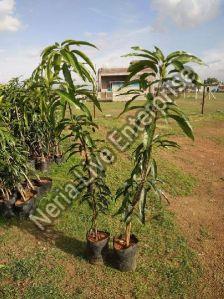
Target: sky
(28,26)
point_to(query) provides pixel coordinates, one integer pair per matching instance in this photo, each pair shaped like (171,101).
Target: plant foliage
(152,72)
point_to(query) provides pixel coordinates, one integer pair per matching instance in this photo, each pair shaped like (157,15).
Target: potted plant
(18,191)
(154,70)
(60,67)
(46,131)
(61,64)
(14,171)
(27,119)
(89,179)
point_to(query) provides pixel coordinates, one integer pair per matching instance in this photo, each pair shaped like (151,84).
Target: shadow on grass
(53,237)
(70,245)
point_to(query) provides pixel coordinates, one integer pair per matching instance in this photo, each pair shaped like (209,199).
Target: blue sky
(27,26)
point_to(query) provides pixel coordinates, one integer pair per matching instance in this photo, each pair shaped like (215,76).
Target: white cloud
(186,13)
(214,58)
(6,6)
(8,22)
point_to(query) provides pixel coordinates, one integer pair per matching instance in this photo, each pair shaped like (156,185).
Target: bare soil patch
(201,216)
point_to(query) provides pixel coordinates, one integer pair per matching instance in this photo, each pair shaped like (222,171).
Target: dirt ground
(201,216)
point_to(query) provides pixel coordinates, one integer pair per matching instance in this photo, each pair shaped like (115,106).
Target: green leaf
(127,105)
(57,63)
(178,65)
(154,170)
(89,141)
(175,54)
(142,205)
(141,66)
(190,58)
(159,54)
(67,75)
(183,57)
(70,42)
(184,125)
(72,60)
(92,97)
(85,58)
(67,97)
(151,54)
(86,74)
(48,50)
(142,56)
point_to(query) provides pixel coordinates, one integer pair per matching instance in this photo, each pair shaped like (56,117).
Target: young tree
(153,70)
(89,173)
(70,74)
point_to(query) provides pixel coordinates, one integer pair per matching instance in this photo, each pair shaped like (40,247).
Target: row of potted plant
(31,120)
(19,185)
(28,140)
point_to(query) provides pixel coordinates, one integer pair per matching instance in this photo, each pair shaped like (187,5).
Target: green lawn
(189,105)
(53,265)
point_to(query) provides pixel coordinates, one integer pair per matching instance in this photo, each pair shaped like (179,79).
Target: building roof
(116,71)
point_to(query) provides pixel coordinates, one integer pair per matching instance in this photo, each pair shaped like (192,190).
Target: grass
(204,233)
(171,174)
(53,265)
(190,105)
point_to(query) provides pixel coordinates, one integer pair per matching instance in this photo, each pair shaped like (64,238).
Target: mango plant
(69,78)
(89,173)
(25,117)
(14,169)
(70,74)
(153,70)
(90,181)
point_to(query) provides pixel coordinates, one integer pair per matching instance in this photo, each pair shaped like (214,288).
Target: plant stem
(128,234)
(70,110)
(145,173)
(90,188)
(57,149)
(28,180)
(22,193)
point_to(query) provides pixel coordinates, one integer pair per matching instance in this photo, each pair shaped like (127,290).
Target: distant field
(190,105)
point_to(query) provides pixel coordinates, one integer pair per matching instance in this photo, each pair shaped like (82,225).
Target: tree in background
(211,81)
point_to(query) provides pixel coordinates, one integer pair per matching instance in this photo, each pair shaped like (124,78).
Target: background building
(109,82)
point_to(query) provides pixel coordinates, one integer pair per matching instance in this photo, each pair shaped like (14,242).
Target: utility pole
(94,110)
(203,100)
(96,91)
